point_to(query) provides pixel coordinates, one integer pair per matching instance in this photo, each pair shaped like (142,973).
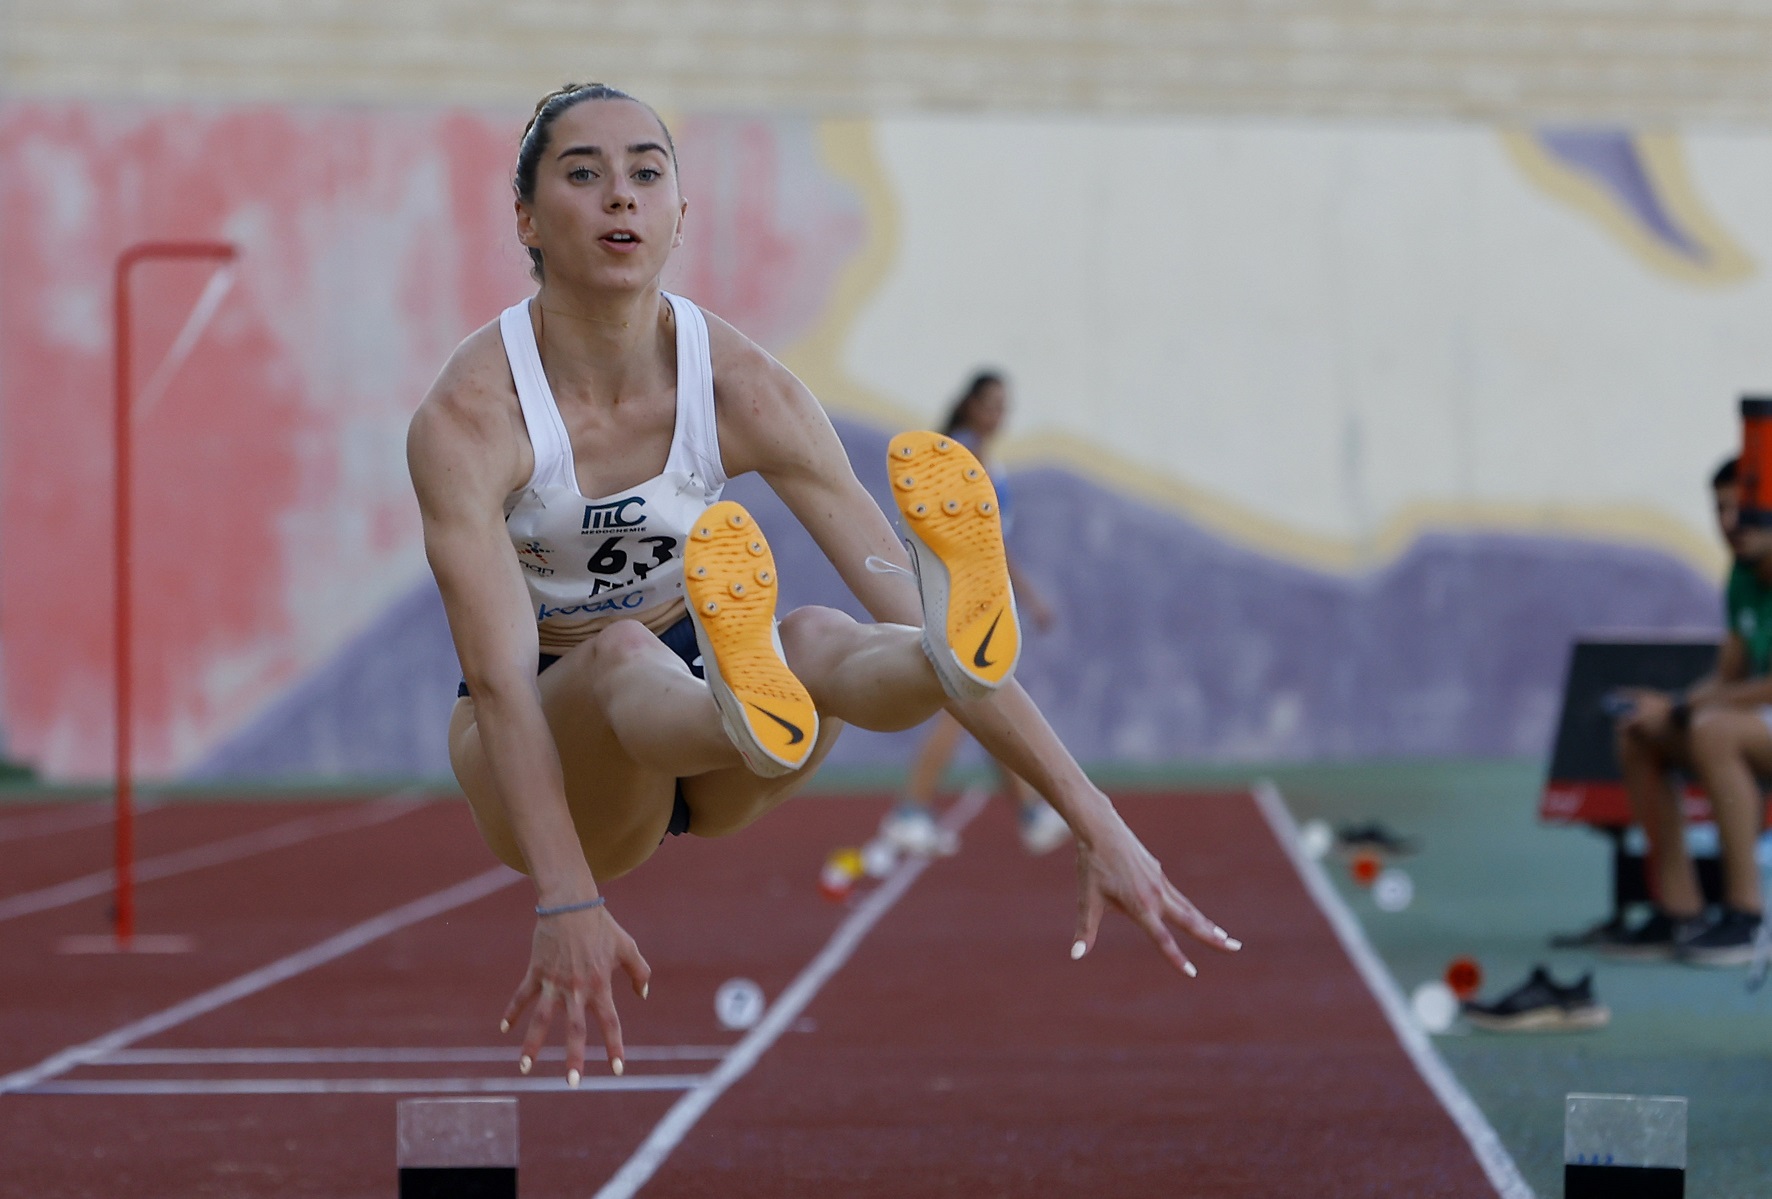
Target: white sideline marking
(85,814)
(1491,1154)
(787,1007)
(337,946)
(198,857)
(360,1086)
(107,943)
(407,1055)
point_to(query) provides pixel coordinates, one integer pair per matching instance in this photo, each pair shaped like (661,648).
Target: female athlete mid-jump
(624,676)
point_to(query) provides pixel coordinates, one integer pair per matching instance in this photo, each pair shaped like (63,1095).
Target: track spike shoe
(730,584)
(954,530)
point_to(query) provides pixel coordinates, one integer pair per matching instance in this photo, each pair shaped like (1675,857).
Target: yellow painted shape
(1664,160)
(848,152)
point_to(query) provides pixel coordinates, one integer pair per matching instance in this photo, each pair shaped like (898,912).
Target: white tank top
(589,562)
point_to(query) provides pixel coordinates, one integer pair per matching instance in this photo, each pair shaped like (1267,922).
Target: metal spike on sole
(954,530)
(730,582)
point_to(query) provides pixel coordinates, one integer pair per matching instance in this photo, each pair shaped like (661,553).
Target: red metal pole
(122,545)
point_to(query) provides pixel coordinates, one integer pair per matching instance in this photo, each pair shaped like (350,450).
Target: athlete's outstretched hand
(572,964)
(1118,869)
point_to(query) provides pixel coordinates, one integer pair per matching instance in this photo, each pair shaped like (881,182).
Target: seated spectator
(1720,733)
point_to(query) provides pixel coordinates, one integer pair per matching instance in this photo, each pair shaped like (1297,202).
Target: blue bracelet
(570,907)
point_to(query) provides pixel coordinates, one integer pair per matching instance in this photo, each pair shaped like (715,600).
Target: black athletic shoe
(1726,941)
(1540,1004)
(1651,941)
(1375,836)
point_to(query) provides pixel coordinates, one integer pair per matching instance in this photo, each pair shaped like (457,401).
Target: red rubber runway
(956,1051)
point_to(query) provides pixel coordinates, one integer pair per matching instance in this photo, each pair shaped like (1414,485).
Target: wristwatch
(1680,715)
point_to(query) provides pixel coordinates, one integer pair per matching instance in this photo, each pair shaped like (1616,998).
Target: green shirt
(1748,609)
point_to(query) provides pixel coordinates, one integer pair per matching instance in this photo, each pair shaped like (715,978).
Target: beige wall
(1635,61)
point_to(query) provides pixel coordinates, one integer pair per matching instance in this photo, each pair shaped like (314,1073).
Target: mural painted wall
(1350,425)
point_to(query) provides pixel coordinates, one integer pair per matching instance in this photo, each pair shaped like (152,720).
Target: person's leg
(873,676)
(1645,764)
(622,682)
(1729,749)
(630,720)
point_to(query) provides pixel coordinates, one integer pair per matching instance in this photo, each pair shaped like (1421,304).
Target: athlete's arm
(465,457)
(463,461)
(772,424)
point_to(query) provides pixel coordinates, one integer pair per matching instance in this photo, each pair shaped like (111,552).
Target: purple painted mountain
(1172,644)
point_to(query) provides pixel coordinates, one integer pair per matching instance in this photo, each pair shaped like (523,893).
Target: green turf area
(1493,883)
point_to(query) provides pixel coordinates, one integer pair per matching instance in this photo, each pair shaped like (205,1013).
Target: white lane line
(337,946)
(215,853)
(1491,1154)
(407,1055)
(683,1115)
(360,1086)
(74,816)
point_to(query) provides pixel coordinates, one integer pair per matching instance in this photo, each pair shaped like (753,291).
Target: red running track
(958,1052)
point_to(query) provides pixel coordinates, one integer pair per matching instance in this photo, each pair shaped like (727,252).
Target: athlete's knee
(622,642)
(811,629)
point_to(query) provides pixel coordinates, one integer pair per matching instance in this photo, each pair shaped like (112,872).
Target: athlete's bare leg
(629,720)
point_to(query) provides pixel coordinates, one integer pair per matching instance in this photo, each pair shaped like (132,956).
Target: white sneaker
(912,829)
(1042,828)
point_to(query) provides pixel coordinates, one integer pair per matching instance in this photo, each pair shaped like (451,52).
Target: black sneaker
(1726,941)
(1376,837)
(1540,1004)
(1651,941)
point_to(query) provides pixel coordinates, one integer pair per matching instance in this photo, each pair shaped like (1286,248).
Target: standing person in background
(974,421)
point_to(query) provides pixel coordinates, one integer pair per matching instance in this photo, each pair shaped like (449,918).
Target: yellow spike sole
(950,509)
(730,584)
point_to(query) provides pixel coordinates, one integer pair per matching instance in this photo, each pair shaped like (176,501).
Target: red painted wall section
(768,229)
(274,517)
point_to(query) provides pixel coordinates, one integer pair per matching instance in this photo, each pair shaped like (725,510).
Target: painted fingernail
(1219,932)
(616,1066)
(572,1078)
(504,1026)
(645,989)
(1078,950)
(1232,943)
(1189,967)
(525,1064)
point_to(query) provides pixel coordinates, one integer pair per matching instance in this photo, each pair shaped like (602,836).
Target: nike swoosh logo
(978,659)
(795,735)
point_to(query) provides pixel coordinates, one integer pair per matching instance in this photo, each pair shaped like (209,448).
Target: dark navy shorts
(680,640)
